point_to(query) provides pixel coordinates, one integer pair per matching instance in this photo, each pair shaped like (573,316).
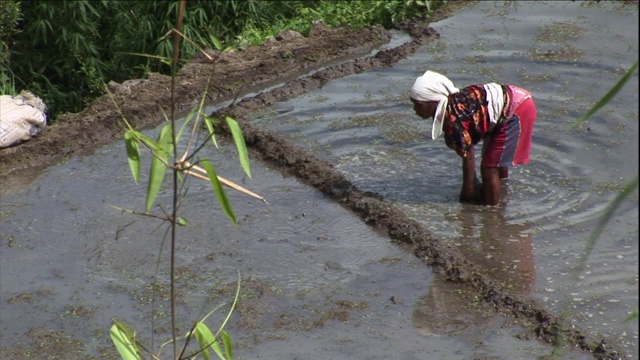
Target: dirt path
(258,67)
(234,74)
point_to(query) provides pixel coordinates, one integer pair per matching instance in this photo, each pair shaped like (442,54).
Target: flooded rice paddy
(564,53)
(317,283)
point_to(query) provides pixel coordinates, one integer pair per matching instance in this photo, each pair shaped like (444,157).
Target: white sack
(21,118)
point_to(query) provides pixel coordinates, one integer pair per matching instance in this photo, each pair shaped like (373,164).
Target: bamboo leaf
(158,167)
(223,200)
(187,120)
(122,336)
(226,340)
(233,306)
(236,132)
(209,122)
(181,220)
(211,312)
(147,142)
(133,154)
(608,96)
(215,42)
(205,338)
(196,124)
(216,348)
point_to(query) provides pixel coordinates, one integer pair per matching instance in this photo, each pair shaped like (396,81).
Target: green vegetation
(63,51)
(9,18)
(165,158)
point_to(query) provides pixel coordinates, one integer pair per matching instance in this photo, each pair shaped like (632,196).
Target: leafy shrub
(9,17)
(64,50)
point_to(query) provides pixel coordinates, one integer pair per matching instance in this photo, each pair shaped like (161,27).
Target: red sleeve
(455,133)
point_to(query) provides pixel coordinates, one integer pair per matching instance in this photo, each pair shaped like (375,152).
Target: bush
(9,18)
(63,51)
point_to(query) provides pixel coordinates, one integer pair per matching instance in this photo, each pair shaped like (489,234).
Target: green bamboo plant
(166,159)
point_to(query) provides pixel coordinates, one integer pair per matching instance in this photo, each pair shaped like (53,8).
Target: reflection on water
(449,309)
(501,248)
(502,252)
(19,181)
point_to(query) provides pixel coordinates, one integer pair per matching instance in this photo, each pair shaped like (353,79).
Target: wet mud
(242,72)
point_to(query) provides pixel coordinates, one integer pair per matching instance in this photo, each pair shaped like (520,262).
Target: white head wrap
(434,87)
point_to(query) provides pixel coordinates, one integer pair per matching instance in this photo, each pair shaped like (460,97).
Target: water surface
(317,282)
(568,54)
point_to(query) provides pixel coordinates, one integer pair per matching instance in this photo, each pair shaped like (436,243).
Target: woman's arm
(473,191)
(458,139)
(471,188)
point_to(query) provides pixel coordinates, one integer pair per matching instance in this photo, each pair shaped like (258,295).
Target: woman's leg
(491,185)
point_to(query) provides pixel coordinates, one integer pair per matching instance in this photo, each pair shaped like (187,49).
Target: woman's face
(424,109)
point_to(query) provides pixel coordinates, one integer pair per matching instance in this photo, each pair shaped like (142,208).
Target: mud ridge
(290,159)
(142,101)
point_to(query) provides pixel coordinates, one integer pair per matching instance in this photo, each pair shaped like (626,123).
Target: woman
(500,115)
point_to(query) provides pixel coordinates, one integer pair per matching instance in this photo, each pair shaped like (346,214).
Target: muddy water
(316,282)
(568,54)
(73,263)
